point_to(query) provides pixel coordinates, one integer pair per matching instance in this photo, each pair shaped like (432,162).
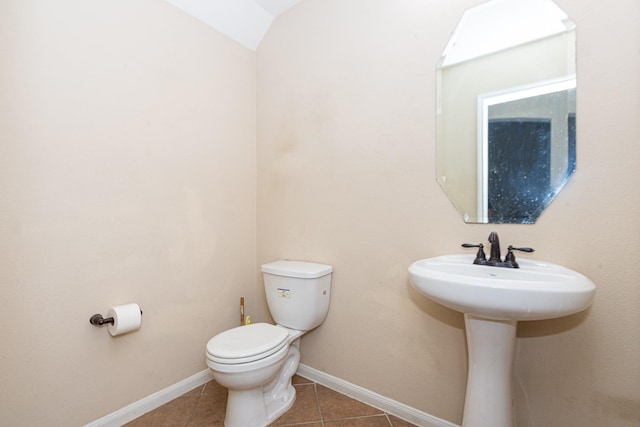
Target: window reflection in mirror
(506,110)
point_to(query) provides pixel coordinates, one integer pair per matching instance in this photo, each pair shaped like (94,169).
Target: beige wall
(127,173)
(346,176)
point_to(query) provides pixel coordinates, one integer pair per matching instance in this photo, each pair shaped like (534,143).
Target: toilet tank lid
(301,269)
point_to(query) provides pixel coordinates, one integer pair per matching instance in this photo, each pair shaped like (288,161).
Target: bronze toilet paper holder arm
(98,320)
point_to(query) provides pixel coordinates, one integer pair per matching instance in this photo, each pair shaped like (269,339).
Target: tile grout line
(388,419)
(315,389)
(200,395)
(193,410)
(358,417)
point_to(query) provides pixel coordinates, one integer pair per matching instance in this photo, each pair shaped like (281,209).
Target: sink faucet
(495,257)
(494,254)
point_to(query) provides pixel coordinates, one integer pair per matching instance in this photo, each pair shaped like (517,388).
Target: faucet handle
(510,258)
(481,258)
(511,248)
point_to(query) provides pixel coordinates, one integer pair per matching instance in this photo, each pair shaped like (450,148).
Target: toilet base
(240,414)
(260,406)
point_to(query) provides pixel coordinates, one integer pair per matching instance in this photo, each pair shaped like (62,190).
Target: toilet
(256,362)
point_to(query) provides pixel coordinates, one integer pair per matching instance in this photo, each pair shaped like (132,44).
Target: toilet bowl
(256,362)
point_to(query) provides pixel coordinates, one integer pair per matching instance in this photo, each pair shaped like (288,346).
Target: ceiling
(512,23)
(245,21)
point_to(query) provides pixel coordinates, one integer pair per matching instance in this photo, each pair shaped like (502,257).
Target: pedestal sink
(493,300)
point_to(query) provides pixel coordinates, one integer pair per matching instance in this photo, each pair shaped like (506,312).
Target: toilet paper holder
(98,320)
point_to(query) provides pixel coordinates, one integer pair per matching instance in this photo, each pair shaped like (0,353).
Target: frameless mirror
(506,115)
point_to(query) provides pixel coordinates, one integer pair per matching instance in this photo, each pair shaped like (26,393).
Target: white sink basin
(537,290)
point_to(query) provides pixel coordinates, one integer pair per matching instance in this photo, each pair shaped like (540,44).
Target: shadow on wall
(435,310)
(542,328)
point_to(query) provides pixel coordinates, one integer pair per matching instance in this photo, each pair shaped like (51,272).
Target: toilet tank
(297,293)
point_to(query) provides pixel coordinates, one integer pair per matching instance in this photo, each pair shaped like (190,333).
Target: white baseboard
(149,403)
(385,404)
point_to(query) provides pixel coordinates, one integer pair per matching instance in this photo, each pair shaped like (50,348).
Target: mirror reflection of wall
(486,58)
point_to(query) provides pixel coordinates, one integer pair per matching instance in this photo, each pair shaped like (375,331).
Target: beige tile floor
(315,406)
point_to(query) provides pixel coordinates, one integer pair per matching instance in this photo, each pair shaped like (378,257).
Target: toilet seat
(246,344)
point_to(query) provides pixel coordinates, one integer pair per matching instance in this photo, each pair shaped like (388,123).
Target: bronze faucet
(495,257)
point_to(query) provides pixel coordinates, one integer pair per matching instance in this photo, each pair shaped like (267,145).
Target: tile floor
(315,406)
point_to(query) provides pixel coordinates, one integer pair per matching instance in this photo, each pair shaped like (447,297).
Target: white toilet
(256,362)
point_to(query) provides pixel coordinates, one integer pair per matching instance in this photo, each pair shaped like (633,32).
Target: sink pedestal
(491,345)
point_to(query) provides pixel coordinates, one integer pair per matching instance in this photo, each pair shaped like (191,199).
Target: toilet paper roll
(126,318)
